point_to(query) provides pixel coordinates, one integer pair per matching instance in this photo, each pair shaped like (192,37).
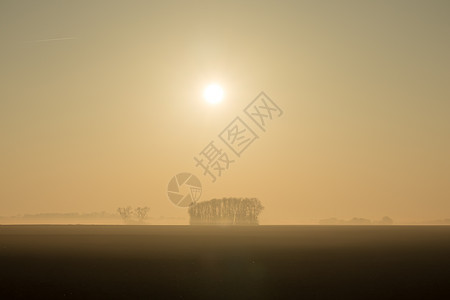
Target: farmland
(219,262)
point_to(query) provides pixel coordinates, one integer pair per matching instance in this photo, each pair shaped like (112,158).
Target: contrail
(52,40)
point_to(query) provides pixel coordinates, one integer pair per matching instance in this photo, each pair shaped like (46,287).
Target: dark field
(265,262)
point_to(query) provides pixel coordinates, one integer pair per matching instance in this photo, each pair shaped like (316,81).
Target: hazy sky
(101,104)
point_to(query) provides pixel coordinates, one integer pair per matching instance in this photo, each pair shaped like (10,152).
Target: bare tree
(125,213)
(142,213)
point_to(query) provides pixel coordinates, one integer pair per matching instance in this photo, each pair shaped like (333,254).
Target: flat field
(261,262)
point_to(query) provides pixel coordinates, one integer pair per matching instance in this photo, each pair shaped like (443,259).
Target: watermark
(213,161)
(238,136)
(218,155)
(184,189)
(262,110)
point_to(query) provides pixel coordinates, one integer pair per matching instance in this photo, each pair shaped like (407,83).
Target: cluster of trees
(357,221)
(132,216)
(226,211)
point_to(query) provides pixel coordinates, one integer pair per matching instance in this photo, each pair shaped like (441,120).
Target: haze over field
(101,104)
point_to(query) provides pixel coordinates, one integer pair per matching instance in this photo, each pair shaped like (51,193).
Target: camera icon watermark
(184,189)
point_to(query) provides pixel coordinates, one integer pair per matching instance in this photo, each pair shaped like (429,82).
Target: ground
(254,262)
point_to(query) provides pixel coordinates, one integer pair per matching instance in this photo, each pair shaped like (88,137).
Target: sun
(213,94)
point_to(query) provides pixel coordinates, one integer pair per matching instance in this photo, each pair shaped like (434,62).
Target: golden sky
(101,104)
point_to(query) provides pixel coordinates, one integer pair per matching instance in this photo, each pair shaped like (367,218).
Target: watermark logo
(213,160)
(184,189)
(238,136)
(262,110)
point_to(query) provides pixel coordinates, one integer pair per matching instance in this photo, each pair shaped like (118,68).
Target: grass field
(261,262)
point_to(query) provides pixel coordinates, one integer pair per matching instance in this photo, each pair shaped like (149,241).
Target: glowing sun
(213,94)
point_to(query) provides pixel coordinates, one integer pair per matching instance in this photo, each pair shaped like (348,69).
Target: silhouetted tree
(359,221)
(386,221)
(232,211)
(141,213)
(125,213)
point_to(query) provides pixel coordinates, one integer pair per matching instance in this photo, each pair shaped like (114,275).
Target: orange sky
(101,104)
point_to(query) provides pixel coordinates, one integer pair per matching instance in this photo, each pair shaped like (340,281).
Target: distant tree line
(357,221)
(130,216)
(72,215)
(226,211)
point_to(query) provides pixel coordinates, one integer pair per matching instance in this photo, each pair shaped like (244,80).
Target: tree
(125,213)
(386,221)
(141,213)
(359,221)
(231,211)
(136,216)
